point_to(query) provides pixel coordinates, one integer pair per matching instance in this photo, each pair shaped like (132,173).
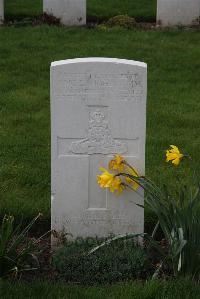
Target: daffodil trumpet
(110,181)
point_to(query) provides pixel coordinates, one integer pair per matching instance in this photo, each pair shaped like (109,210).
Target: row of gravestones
(169,12)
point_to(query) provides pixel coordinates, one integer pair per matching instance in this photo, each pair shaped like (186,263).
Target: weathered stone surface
(70,12)
(1,11)
(178,12)
(98,109)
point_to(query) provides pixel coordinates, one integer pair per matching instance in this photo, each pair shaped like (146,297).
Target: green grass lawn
(134,290)
(18,9)
(96,9)
(26,53)
(140,9)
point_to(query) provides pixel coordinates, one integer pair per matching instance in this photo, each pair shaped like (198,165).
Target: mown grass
(96,9)
(143,10)
(26,53)
(182,289)
(18,9)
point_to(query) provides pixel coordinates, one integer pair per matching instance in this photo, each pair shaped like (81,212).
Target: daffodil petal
(176,161)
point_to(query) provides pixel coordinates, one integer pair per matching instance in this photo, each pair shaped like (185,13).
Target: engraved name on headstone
(98,109)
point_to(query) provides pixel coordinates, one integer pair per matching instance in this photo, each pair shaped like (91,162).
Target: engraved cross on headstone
(98,142)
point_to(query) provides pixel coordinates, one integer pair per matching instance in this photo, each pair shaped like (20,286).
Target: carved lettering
(84,86)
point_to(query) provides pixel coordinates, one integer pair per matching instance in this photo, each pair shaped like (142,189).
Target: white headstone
(70,12)
(1,11)
(178,12)
(98,108)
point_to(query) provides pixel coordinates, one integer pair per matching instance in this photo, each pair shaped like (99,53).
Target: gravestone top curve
(99,59)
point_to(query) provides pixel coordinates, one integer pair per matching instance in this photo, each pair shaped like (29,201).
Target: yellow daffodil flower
(174,155)
(132,171)
(117,186)
(109,180)
(117,163)
(105,179)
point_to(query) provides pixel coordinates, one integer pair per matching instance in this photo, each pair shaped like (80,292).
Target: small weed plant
(17,251)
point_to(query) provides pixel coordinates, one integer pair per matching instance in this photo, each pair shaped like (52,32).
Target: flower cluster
(113,181)
(108,180)
(177,212)
(124,175)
